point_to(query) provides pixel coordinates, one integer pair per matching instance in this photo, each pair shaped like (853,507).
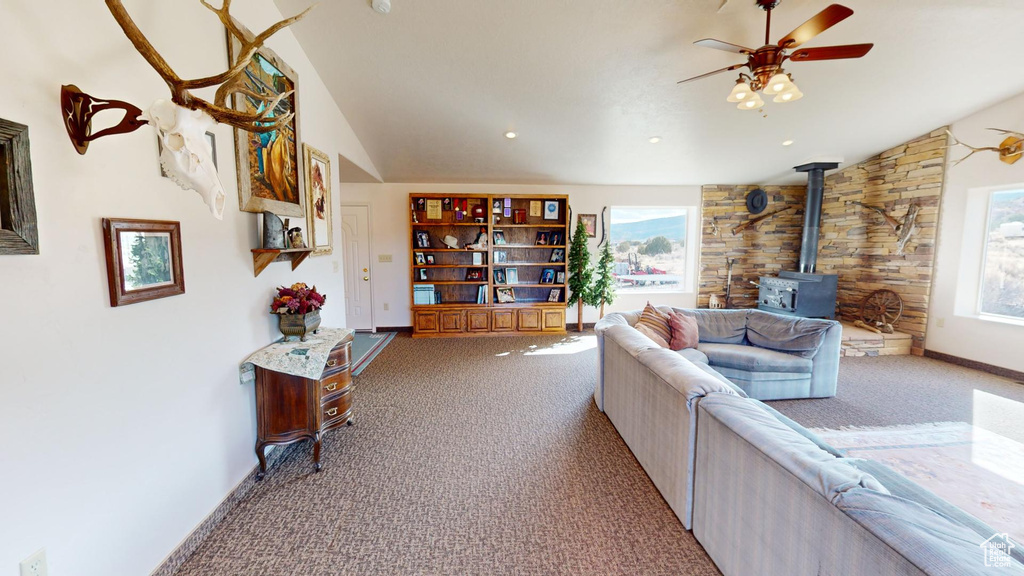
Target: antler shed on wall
(903,230)
(1010,150)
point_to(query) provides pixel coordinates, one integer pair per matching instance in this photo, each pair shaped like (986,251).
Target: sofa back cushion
(800,336)
(719,326)
(657,322)
(685,333)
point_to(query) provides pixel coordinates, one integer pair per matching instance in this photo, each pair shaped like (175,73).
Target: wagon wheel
(881,307)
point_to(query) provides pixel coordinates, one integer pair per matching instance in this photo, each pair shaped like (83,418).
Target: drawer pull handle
(332,387)
(332,411)
(332,363)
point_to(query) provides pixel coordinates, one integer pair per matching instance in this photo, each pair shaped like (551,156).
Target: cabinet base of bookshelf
(429,322)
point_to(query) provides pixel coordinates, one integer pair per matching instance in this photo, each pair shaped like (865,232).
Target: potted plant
(298,309)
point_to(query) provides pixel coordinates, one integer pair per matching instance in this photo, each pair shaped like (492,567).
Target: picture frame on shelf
(589,223)
(505,295)
(536,208)
(508,202)
(143,260)
(557,239)
(446,204)
(421,203)
(318,201)
(499,276)
(433,209)
(499,237)
(547,276)
(560,277)
(558,255)
(422,239)
(555,295)
(542,239)
(430,259)
(500,256)
(511,275)
(422,274)
(478,258)
(551,209)
(418,258)
(496,207)
(473,274)
(507,213)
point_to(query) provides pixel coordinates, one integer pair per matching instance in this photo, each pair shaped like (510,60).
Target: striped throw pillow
(656,321)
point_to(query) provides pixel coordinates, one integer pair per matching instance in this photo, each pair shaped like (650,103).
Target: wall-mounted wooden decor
(18,233)
(143,260)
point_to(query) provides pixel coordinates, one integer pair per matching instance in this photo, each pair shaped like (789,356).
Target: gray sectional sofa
(762,494)
(769,356)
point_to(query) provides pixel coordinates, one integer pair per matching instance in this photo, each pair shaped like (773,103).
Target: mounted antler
(1010,150)
(229,80)
(903,230)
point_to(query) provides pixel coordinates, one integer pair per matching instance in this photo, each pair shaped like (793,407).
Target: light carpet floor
(468,456)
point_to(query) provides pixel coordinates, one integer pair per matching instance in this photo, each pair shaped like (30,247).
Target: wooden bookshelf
(454,290)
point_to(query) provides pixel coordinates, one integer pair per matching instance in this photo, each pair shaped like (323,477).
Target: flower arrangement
(297,299)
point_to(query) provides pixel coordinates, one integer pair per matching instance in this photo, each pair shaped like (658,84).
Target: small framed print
(547,276)
(446,204)
(508,202)
(474,274)
(511,275)
(535,208)
(499,276)
(430,259)
(505,295)
(421,203)
(433,209)
(558,255)
(496,207)
(590,223)
(542,239)
(418,258)
(551,209)
(422,239)
(555,295)
(556,239)
(499,237)
(507,213)
(478,259)
(559,277)
(500,257)
(423,274)
(143,260)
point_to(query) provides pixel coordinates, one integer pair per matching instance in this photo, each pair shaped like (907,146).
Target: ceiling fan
(765,63)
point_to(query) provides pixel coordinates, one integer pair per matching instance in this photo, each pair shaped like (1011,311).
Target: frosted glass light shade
(790,95)
(752,103)
(740,92)
(778,84)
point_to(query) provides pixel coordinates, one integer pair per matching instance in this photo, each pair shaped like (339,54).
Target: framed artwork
(547,276)
(421,203)
(551,209)
(143,260)
(542,239)
(499,237)
(556,239)
(535,208)
(559,277)
(430,259)
(505,295)
(18,232)
(512,275)
(590,223)
(555,295)
(423,274)
(496,207)
(507,213)
(422,239)
(269,173)
(474,274)
(318,201)
(499,276)
(433,209)
(446,204)
(500,257)
(558,255)
(418,258)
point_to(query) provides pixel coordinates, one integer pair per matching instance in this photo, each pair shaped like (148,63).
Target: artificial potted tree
(580,273)
(603,289)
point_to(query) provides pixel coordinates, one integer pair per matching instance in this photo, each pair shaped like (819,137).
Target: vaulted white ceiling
(430,88)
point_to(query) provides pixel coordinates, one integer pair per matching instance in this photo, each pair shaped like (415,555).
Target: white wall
(389,206)
(960,243)
(124,427)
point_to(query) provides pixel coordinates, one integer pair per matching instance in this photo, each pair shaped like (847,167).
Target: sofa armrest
(825,368)
(602,326)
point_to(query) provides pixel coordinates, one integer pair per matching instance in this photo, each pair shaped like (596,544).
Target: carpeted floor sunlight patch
(979,471)
(366,346)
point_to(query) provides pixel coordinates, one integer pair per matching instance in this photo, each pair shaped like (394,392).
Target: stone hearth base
(861,342)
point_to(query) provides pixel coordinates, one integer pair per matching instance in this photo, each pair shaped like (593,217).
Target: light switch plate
(384,258)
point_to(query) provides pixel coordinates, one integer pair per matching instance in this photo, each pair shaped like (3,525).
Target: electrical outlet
(337,266)
(941,322)
(385,306)
(34,565)
(384,258)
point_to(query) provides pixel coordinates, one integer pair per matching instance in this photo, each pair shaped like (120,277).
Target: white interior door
(355,241)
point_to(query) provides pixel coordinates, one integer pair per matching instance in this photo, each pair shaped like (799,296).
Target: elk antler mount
(1010,150)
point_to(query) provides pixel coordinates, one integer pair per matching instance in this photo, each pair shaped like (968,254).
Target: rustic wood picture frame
(120,293)
(18,229)
(246,143)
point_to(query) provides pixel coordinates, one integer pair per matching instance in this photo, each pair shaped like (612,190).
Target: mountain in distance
(672,227)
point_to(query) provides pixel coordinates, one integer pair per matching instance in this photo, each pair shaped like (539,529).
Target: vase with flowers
(298,310)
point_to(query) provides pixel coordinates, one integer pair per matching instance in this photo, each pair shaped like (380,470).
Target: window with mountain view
(649,245)
(1002,281)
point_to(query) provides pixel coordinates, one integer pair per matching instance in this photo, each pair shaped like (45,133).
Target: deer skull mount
(1010,149)
(182,122)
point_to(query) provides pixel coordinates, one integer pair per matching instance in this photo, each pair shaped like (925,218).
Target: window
(649,246)
(1002,278)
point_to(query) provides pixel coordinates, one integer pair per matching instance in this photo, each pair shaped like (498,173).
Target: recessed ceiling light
(510,135)
(654,140)
(787,142)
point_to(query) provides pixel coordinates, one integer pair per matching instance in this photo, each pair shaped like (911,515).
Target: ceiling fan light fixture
(740,92)
(751,104)
(790,95)
(778,83)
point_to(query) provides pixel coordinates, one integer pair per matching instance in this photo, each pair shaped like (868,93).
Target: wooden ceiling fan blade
(831,52)
(824,20)
(720,45)
(733,67)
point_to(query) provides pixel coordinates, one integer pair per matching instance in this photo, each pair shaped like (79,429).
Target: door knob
(366,278)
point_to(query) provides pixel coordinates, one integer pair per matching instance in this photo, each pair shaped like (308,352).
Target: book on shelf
(423,294)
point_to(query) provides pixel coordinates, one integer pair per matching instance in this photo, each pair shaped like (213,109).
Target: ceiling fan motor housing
(767,4)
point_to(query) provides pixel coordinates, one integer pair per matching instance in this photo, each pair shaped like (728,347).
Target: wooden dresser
(291,408)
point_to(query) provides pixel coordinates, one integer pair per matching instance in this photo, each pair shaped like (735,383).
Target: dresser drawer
(337,410)
(337,361)
(335,384)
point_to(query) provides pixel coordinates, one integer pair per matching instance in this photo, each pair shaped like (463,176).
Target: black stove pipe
(812,213)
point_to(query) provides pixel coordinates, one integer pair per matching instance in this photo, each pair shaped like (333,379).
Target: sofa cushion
(801,336)
(753,359)
(657,321)
(693,355)
(725,326)
(684,331)
(646,330)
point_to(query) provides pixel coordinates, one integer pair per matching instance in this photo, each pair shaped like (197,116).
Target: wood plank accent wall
(855,243)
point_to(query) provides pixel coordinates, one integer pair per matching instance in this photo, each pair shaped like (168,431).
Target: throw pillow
(657,322)
(643,329)
(684,331)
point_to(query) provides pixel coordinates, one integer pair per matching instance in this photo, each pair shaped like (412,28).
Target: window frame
(986,233)
(691,250)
